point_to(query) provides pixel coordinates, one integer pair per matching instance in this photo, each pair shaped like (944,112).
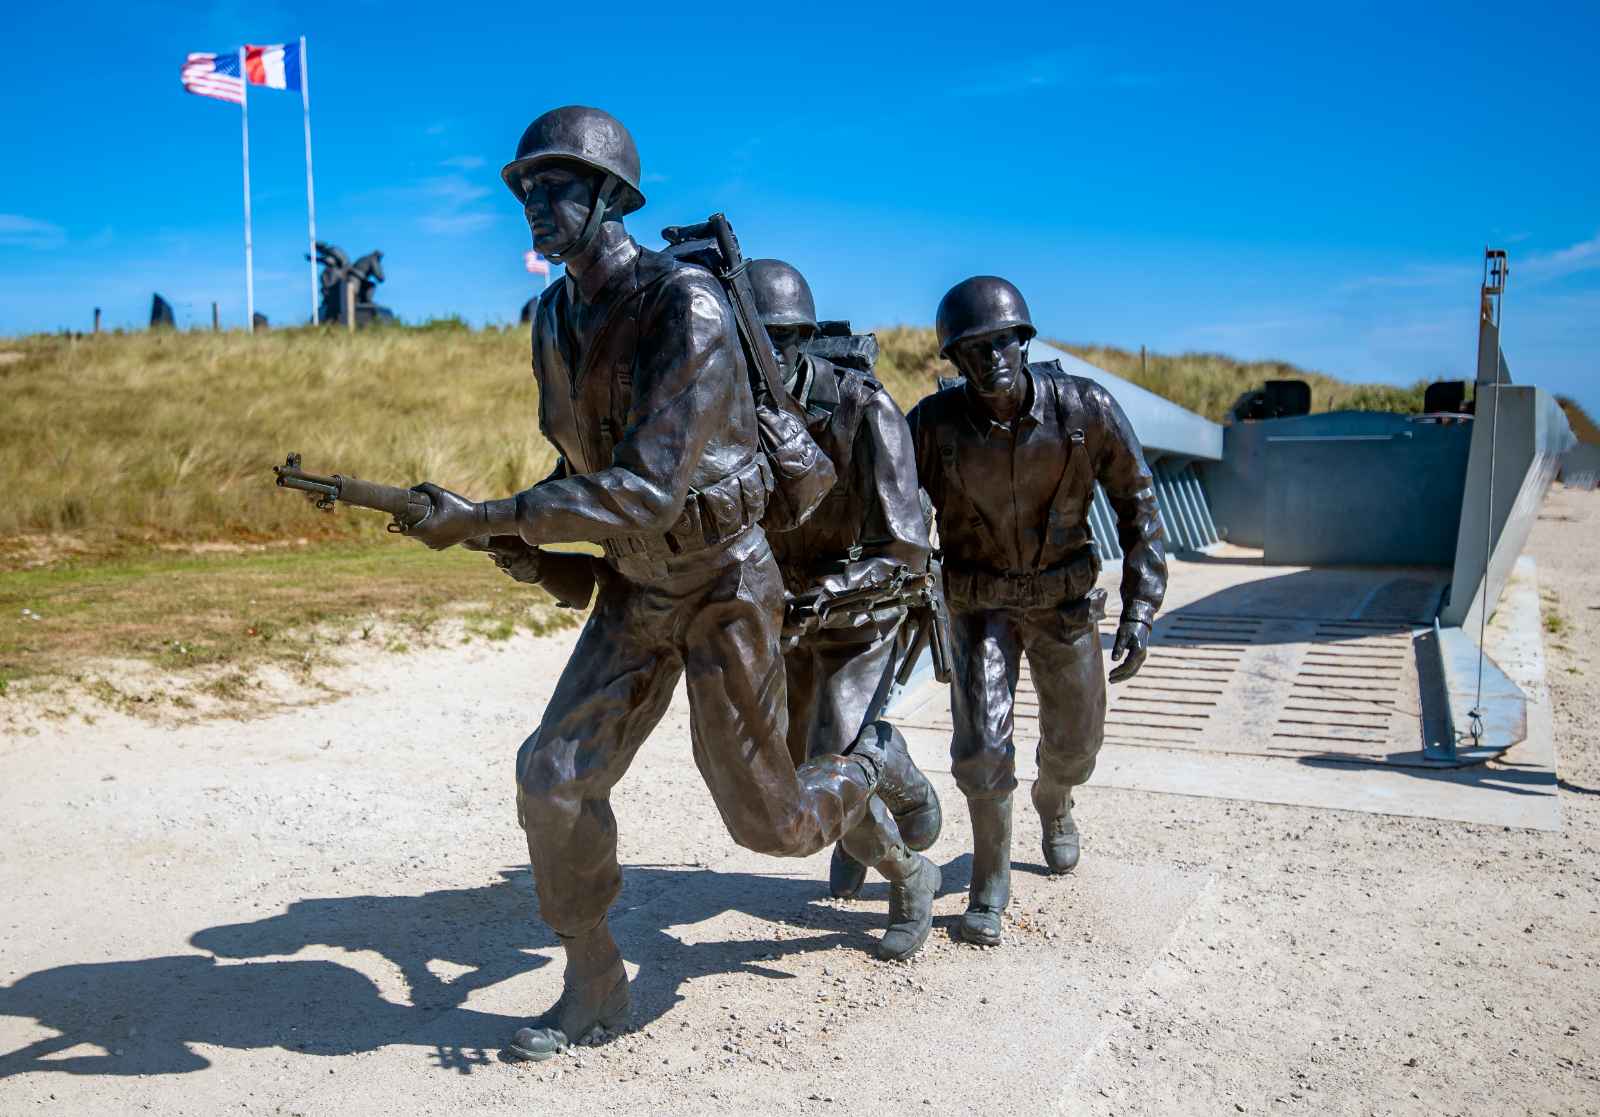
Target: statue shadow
(145,1016)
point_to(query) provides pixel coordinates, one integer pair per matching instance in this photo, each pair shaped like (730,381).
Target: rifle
(921,595)
(568,576)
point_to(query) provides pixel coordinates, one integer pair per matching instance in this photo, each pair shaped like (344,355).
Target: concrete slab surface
(1310,696)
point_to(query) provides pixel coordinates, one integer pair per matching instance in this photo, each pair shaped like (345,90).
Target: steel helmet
(783,297)
(981,305)
(576,134)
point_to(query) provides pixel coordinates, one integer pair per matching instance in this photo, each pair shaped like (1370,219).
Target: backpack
(834,342)
(802,473)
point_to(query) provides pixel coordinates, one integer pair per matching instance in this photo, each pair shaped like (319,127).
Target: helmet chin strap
(591,227)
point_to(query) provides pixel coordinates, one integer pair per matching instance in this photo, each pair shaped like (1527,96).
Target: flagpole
(249,251)
(311,197)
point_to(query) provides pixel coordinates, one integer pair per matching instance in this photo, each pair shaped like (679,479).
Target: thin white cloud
(454,224)
(455,205)
(29,232)
(1049,70)
(464,162)
(1564,262)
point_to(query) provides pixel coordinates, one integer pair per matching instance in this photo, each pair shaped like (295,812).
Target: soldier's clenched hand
(453,520)
(1131,646)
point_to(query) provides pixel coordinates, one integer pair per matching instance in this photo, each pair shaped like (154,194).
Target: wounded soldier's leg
(851,671)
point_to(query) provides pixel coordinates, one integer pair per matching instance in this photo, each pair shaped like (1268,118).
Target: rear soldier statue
(870,525)
(644,392)
(1010,457)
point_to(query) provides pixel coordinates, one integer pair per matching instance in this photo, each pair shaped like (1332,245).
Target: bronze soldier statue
(1009,457)
(644,392)
(870,525)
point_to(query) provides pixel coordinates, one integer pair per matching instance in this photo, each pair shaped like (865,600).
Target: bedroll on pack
(835,342)
(802,473)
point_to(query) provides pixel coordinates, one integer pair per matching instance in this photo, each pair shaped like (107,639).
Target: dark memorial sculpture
(161,313)
(1009,457)
(670,455)
(859,546)
(350,287)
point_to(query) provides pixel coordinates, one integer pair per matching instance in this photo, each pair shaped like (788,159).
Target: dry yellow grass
(171,436)
(123,440)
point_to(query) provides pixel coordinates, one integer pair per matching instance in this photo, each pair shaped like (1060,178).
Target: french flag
(276,67)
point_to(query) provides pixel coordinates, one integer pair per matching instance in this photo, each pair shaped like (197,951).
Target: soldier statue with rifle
(671,458)
(1010,456)
(850,569)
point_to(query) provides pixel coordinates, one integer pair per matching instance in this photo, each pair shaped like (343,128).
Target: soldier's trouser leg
(728,637)
(1068,668)
(800,669)
(985,656)
(611,694)
(844,670)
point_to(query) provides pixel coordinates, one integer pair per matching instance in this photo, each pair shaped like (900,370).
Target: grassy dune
(165,437)
(141,522)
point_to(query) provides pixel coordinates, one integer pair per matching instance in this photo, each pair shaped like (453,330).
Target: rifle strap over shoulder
(961,506)
(1076,488)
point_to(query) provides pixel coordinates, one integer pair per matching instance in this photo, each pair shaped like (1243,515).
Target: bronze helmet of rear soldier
(1009,456)
(870,524)
(645,393)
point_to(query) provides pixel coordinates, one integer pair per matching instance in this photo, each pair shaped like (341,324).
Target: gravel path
(327,910)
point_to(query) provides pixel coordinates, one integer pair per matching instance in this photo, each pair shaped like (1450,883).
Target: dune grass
(164,436)
(122,440)
(141,521)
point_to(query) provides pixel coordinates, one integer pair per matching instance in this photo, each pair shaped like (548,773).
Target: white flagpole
(311,197)
(249,252)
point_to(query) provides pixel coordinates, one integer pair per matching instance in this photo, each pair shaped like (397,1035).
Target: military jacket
(1013,500)
(644,392)
(871,520)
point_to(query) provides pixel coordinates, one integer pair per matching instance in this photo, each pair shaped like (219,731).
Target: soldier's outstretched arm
(686,384)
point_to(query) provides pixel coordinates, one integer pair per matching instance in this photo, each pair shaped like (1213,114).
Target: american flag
(214,75)
(537,264)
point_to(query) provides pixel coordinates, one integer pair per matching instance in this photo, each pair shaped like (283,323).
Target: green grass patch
(287,606)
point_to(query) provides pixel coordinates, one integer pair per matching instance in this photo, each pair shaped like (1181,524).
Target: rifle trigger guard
(395,527)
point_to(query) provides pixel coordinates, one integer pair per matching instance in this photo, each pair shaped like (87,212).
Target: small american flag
(537,264)
(214,75)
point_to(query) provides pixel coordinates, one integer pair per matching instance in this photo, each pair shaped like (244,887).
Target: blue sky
(1315,184)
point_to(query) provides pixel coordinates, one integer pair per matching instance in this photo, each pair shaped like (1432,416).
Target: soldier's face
(992,363)
(556,202)
(786,344)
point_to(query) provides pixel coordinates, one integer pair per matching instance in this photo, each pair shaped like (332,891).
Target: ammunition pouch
(970,589)
(712,515)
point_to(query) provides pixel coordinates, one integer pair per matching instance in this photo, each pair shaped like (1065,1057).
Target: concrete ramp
(1315,686)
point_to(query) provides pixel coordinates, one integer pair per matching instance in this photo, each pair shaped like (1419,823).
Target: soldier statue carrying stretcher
(847,567)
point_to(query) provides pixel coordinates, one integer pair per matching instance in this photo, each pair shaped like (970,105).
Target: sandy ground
(328,911)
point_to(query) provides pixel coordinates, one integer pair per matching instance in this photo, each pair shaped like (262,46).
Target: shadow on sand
(145,1015)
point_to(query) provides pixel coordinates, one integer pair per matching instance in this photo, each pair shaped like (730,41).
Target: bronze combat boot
(594,995)
(991,871)
(913,883)
(909,796)
(1061,840)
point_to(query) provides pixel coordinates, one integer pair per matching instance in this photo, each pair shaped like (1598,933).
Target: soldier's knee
(543,774)
(984,768)
(784,836)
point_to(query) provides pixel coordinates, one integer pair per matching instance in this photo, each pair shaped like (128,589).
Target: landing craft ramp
(1314,686)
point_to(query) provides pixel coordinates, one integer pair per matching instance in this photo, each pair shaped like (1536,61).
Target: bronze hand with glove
(1131,646)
